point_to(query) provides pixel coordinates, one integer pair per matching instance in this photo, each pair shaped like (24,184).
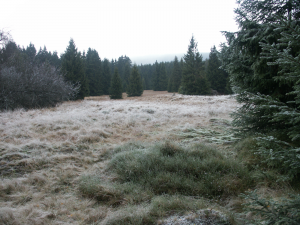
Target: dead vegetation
(60,165)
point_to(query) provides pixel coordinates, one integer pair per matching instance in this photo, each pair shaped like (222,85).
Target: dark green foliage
(126,76)
(116,86)
(216,76)
(94,72)
(168,169)
(175,78)
(124,65)
(155,77)
(112,66)
(159,78)
(194,81)
(73,68)
(162,78)
(135,87)
(44,56)
(30,52)
(106,77)
(262,59)
(283,212)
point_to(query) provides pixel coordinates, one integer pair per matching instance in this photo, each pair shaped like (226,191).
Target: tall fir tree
(55,60)
(135,87)
(113,63)
(194,81)
(43,55)
(116,86)
(31,52)
(175,78)
(155,77)
(262,59)
(162,78)
(126,76)
(73,69)
(215,75)
(106,76)
(94,72)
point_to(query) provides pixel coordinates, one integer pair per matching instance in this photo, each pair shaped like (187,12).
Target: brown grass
(44,152)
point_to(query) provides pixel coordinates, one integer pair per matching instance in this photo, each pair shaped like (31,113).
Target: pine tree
(94,72)
(106,77)
(116,86)
(135,87)
(73,68)
(194,81)
(216,76)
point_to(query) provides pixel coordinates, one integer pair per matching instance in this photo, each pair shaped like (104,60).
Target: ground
(44,153)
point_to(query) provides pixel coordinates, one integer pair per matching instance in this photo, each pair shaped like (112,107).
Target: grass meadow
(161,158)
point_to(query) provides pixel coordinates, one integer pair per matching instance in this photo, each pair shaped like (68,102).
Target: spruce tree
(155,77)
(162,79)
(43,55)
(73,68)
(106,77)
(175,79)
(126,76)
(262,59)
(194,81)
(116,86)
(31,52)
(135,87)
(216,76)
(113,63)
(94,72)
(55,60)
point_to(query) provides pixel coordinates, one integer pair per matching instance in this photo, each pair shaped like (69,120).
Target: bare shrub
(25,85)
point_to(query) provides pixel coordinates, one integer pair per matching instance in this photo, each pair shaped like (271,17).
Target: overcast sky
(118,27)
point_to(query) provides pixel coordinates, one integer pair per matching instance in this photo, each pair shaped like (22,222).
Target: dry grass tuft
(53,162)
(7,216)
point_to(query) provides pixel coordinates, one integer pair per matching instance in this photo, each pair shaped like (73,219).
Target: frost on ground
(44,151)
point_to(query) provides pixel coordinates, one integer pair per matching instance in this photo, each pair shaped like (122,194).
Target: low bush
(169,169)
(92,186)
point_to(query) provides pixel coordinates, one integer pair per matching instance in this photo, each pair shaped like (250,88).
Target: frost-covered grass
(58,165)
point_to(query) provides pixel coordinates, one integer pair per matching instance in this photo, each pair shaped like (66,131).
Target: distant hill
(161,58)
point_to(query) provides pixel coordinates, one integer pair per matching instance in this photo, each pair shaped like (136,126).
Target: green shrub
(94,187)
(169,169)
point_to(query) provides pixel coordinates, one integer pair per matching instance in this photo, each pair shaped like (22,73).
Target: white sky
(118,27)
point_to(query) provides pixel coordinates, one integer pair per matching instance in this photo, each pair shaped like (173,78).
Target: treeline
(86,74)
(190,75)
(29,79)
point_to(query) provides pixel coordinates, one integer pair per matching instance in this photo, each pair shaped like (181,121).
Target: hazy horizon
(117,27)
(150,59)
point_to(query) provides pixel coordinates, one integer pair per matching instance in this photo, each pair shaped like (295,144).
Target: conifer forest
(90,140)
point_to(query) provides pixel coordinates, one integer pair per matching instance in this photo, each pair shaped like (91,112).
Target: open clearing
(46,155)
